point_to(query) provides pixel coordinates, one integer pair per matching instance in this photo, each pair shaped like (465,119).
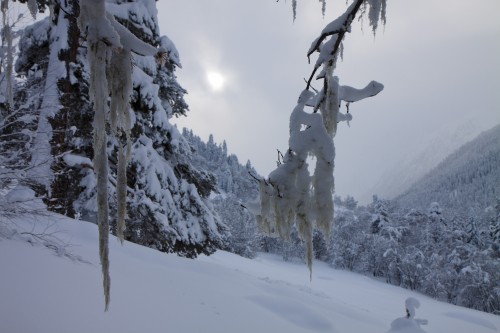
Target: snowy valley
(54,286)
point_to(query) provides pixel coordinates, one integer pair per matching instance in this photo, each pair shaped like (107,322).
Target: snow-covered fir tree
(380,217)
(165,207)
(6,60)
(494,228)
(159,167)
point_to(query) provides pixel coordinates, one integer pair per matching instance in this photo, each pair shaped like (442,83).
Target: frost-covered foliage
(291,196)
(242,229)
(421,251)
(232,191)
(18,121)
(230,176)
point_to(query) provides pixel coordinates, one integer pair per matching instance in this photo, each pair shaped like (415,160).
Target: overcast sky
(244,63)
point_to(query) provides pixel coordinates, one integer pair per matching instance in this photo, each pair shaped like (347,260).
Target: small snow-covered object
(408,324)
(411,304)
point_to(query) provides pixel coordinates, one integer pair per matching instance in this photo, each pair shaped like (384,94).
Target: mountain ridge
(416,164)
(466,181)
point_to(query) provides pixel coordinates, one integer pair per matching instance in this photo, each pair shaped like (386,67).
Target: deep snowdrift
(57,289)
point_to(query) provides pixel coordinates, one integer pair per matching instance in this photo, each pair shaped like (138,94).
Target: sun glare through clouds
(215,80)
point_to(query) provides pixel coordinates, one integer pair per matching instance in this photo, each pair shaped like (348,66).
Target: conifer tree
(158,189)
(494,230)
(380,216)
(495,224)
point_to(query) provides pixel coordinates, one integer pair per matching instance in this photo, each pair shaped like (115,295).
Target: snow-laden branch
(129,41)
(350,94)
(293,196)
(340,93)
(290,194)
(337,29)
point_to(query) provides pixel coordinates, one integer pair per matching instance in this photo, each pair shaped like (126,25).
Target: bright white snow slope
(42,290)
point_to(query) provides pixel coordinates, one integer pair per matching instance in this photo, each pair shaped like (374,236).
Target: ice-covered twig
(254,177)
(338,27)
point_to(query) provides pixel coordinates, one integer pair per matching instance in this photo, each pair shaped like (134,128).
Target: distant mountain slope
(466,182)
(417,163)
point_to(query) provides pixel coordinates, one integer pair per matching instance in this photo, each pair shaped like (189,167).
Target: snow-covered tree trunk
(6,78)
(72,124)
(42,157)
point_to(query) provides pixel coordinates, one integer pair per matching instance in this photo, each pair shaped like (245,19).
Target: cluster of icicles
(110,46)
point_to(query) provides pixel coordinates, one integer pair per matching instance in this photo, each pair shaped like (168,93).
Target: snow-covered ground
(57,289)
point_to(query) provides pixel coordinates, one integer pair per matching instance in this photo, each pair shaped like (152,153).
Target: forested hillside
(235,189)
(451,259)
(441,237)
(415,164)
(465,183)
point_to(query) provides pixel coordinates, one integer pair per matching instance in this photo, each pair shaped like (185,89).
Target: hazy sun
(215,80)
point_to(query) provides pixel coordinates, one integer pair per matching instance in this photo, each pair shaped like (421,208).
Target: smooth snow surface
(57,290)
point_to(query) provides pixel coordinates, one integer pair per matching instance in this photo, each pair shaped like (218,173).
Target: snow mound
(405,325)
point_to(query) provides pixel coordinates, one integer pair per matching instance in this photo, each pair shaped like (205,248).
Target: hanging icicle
(110,46)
